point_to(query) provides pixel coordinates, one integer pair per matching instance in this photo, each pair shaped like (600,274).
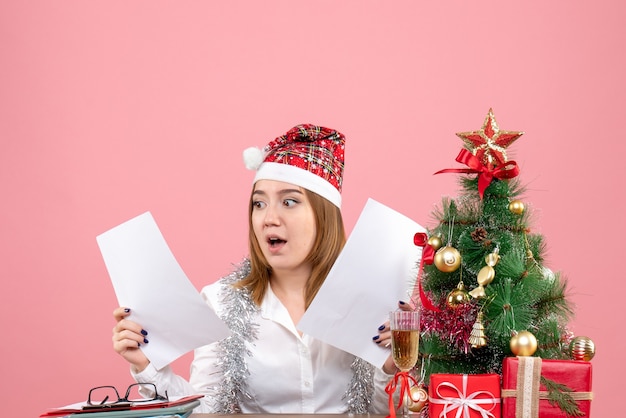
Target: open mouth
(275,241)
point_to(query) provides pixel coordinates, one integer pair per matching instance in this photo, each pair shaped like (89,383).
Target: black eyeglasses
(105,396)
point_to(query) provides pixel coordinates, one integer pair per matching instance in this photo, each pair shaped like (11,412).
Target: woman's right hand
(128,336)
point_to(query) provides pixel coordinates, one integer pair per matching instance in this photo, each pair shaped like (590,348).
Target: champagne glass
(405,335)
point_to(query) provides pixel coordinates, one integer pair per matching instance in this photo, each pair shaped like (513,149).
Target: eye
(258,204)
(290,202)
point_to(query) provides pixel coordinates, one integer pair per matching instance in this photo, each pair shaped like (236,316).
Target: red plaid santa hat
(308,156)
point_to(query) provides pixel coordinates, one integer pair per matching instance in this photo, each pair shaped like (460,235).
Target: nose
(271,215)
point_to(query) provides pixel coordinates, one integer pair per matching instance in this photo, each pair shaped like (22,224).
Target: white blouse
(289,373)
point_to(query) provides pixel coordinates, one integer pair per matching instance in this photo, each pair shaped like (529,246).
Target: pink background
(111,108)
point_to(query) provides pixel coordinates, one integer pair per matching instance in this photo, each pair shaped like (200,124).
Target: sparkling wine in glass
(405,344)
(405,336)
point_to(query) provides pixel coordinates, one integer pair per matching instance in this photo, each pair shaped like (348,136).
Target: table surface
(286,415)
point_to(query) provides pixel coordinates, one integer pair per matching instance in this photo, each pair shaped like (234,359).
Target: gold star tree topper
(489,143)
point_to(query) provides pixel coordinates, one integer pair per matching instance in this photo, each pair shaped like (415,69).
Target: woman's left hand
(384,340)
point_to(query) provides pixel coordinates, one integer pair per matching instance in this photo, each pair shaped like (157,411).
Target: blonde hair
(329,240)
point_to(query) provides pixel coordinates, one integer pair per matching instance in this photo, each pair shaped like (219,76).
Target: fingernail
(144,332)
(376,337)
(402,303)
(382,327)
(145,341)
(138,345)
(126,310)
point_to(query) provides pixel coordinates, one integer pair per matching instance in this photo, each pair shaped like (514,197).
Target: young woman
(296,234)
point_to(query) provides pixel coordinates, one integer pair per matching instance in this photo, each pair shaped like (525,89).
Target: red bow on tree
(428,255)
(508,170)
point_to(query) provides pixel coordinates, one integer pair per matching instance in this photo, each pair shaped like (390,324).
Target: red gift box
(462,395)
(523,395)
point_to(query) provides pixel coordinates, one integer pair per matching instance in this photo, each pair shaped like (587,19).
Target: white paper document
(148,280)
(376,269)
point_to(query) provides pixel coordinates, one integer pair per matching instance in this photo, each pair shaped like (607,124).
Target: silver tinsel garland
(361,389)
(238,315)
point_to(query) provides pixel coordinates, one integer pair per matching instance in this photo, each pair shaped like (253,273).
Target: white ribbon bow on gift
(463,402)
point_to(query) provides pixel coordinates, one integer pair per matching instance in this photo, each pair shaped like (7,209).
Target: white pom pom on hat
(253,158)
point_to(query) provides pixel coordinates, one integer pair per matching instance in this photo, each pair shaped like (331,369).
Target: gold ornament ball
(418,399)
(523,343)
(516,207)
(458,296)
(582,348)
(435,242)
(447,259)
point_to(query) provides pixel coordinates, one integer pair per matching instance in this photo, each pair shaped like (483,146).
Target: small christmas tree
(486,294)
